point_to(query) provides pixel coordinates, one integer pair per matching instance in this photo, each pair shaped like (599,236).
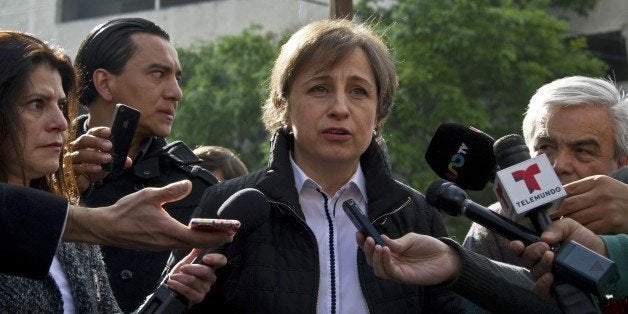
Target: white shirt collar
(301,178)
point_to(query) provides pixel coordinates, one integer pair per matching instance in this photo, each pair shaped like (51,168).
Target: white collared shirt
(335,235)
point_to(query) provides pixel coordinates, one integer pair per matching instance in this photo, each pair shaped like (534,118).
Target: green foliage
(475,62)
(223,89)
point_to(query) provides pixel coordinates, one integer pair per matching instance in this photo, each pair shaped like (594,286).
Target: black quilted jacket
(275,268)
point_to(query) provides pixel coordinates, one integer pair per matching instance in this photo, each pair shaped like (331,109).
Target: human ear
(102,80)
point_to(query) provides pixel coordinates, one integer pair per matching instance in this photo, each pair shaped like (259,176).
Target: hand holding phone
(361,222)
(123,127)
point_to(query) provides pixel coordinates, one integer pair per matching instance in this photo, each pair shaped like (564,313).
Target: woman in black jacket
(331,89)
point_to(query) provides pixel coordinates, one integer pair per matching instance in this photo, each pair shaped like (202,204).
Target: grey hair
(579,91)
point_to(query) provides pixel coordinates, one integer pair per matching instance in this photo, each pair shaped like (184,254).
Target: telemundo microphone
(529,186)
(463,155)
(526,186)
(251,208)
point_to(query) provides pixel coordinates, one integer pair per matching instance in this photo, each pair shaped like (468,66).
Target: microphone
(251,208)
(463,155)
(581,266)
(454,201)
(524,185)
(529,186)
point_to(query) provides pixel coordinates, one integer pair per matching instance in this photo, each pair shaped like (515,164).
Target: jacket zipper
(358,252)
(294,213)
(393,211)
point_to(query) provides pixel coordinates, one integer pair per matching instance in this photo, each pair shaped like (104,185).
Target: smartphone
(361,222)
(123,127)
(215,224)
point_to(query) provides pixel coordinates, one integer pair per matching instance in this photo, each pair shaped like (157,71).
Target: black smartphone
(123,127)
(361,222)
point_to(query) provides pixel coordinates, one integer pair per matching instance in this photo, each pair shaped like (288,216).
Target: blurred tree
(475,62)
(223,87)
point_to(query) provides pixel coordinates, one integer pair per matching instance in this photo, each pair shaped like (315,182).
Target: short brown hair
(333,39)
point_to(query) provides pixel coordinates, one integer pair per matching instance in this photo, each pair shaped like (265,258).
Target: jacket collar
(383,192)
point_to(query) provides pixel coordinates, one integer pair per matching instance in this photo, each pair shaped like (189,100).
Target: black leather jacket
(275,269)
(134,274)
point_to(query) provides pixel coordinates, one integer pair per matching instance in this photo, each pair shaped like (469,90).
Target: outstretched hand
(412,259)
(139,221)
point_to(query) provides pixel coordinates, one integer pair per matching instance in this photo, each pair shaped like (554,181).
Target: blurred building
(66,22)
(606,30)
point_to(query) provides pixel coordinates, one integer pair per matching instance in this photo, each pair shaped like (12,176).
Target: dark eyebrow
(160,66)
(37,95)
(584,142)
(353,78)
(165,68)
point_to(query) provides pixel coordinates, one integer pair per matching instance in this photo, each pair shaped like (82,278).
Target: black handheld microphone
(251,208)
(454,201)
(463,155)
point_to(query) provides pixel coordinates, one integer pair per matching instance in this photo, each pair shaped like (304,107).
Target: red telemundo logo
(528,178)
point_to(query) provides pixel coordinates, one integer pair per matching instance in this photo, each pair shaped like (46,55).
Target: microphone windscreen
(433,191)
(510,150)
(462,155)
(249,206)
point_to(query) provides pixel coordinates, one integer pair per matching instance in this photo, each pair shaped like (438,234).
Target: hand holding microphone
(524,187)
(539,258)
(530,187)
(248,206)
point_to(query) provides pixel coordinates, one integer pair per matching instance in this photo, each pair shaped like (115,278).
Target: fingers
(95,141)
(583,185)
(379,262)
(543,266)
(516,247)
(192,281)
(214,260)
(171,192)
(578,195)
(87,153)
(533,253)
(542,286)
(376,256)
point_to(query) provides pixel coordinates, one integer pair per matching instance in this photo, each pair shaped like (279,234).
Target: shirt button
(126,275)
